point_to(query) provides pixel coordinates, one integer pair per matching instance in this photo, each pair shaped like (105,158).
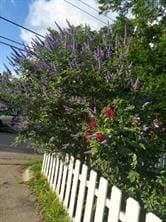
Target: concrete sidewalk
(17,204)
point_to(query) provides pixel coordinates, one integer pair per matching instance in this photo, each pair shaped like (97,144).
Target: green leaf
(142,146)
(133,176)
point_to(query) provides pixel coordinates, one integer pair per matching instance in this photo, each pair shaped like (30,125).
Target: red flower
(87,136)
(92,124)
(99,136)
(109,112)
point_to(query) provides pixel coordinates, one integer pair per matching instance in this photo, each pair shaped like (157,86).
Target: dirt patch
(27,175)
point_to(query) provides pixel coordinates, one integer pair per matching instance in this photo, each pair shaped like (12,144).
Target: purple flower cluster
(51,42)
(80,46)
(42,65)
(16,58)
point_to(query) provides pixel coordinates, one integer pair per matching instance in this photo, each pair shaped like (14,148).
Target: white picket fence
(86,198)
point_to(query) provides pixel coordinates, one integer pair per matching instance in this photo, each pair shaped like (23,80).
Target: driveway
(17,204)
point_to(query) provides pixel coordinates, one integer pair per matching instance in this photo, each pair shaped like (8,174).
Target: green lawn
(51,208)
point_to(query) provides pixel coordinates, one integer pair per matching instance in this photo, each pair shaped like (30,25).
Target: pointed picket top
(152,218)
(132,210)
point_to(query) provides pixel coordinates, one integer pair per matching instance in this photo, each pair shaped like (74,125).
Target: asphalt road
(7,143)
(17,204)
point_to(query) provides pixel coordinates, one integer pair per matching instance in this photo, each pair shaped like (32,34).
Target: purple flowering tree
(67,80)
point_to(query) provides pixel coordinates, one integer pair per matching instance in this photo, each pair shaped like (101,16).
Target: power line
(12,46)
(14,23)
(16,42)
(95,9)
(3,37)
(86,12)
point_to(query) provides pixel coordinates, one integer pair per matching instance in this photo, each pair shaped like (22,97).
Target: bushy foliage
(120,142)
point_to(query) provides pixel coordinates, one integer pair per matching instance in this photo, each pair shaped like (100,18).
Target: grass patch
(52,209)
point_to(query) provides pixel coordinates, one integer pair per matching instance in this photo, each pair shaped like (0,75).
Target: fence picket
(43,163)
(45,166)
(81,194)
(64,177)
(101,200)
(69,180)
(59,177)
(114,209)
(152,218)
(48,164)
(63,183)
(90,196)
(53,171)
(56,174)
(74,188)
(132,210)
(50,171)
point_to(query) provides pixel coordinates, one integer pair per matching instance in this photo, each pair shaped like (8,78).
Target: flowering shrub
(109,112)
(120,145)
(66,84)
(63,82)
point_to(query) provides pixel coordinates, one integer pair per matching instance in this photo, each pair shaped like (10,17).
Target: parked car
(11,123)
(6,119)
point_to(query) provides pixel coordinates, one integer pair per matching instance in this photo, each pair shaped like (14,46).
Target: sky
(39,15)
